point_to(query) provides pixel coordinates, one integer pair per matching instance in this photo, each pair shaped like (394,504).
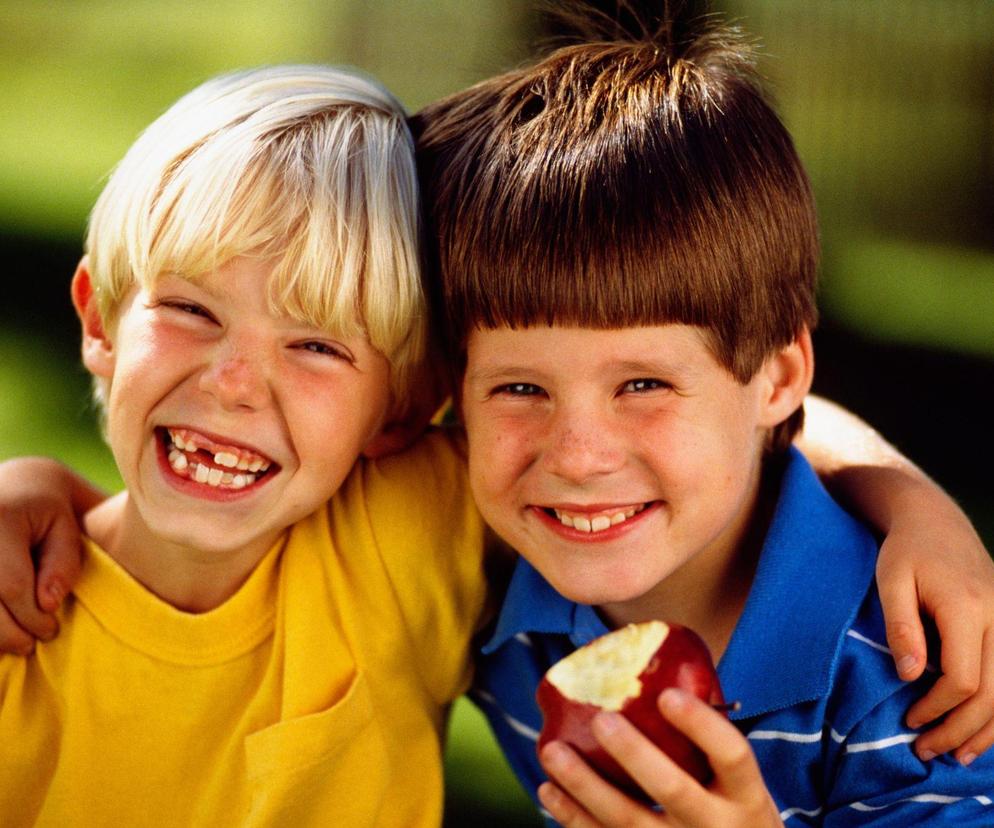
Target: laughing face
(612,459)
(228,421)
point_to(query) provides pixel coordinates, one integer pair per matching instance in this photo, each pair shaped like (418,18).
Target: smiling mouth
(196,457)
(592,523)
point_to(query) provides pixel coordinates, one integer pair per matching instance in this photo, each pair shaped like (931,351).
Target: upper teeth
(184,460)
(598,523)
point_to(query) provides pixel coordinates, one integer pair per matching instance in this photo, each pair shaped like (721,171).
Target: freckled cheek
(506,446)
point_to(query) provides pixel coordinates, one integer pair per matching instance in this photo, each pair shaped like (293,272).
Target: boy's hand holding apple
(666,754)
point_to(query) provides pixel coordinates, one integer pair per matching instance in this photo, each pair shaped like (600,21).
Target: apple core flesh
(625,671)
(608,671)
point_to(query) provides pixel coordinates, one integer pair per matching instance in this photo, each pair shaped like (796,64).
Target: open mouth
(194,456)
(595,522)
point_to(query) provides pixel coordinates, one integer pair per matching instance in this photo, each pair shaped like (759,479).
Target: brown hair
(624,182)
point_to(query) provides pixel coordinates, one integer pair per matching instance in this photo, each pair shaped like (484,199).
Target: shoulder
(428,475)
(865,676)
(876,768)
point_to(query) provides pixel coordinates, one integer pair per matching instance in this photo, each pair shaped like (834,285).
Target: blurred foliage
(81,80)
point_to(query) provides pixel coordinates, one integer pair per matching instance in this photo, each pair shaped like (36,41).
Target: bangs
(323,205)
(629,215)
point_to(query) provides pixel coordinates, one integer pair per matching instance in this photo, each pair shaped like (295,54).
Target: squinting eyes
(324,349)
(518,389)
(527,389)
(635,386)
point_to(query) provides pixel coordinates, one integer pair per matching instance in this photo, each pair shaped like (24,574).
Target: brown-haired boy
(634,341)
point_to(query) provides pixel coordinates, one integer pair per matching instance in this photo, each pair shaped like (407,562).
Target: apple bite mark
(608,672)
(625,671)
(198,458)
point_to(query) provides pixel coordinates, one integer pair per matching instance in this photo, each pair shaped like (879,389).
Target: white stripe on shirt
(941,799)
(516,725)
(785,736)
(870,642)
(881,744)
(787,814)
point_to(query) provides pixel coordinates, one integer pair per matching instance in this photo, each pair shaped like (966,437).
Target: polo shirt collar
(531,605)
(814,571)
(816,565)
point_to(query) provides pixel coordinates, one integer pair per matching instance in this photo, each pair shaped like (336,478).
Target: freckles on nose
(234,380)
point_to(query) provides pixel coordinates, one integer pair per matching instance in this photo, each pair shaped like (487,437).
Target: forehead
(561,349)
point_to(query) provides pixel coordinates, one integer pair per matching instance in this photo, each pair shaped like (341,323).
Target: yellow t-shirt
(316,695)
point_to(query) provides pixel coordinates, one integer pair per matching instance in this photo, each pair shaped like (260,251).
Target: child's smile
(595,520)
(611,459)
(229,420)
(195,457)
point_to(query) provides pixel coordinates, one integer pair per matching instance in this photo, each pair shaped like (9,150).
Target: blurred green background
(891,103)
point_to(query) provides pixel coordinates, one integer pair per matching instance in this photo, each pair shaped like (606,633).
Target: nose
(583,445)
(237,377)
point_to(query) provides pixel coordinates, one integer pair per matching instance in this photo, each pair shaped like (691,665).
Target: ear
(98,350)
(786,378)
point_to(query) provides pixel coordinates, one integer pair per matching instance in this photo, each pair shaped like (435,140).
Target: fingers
(581,797)
(13,639)
(962,640)
(22,617)
(59,560)
(969,728)
(905,633)
(980,742)
(737,777)
(562,808)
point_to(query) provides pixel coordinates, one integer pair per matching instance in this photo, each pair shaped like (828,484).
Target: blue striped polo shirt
(822,705)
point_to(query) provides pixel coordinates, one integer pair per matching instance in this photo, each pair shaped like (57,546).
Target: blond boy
(267,629)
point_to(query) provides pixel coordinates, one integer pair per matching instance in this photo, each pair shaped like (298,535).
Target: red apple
(625,671)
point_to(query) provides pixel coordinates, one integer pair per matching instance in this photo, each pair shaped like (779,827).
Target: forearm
(866,472)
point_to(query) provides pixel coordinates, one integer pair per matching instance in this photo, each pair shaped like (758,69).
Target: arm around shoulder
(931,560)
(41,502)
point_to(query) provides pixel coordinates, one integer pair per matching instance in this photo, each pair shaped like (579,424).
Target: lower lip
(609,534)
(202,491)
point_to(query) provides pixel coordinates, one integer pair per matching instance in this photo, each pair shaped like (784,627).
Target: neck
(190,579)
(709,592)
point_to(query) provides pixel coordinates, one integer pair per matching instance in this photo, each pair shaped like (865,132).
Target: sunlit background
(891,103)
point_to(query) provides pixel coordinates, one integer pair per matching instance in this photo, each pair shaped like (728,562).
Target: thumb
(905,633)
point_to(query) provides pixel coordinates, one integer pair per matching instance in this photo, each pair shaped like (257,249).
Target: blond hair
(309,166)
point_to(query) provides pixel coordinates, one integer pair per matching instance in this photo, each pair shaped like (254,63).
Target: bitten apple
(625,671)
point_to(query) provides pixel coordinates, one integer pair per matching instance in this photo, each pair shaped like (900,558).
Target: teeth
(599,523)
(238,481)
(184,446)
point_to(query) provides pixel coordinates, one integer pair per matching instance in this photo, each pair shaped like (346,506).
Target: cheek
(500,449)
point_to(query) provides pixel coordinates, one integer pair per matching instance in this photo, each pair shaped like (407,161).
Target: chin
(596,589)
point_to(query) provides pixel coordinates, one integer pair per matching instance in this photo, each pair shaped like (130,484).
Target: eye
(186,307)
(518,389)
(644,385)
(324,349)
